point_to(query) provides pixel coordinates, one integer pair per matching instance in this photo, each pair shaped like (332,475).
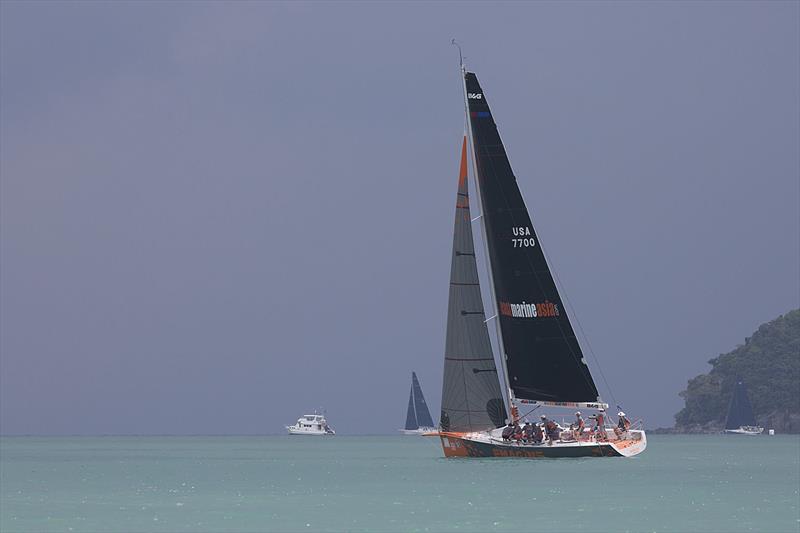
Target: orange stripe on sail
(462,173)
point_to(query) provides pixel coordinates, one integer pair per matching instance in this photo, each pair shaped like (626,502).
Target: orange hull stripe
(452,446)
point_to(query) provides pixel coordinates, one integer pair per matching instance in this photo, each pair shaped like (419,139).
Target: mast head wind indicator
(460,56)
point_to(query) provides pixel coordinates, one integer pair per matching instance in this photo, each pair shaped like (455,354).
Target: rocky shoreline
(782,421)
(768,364)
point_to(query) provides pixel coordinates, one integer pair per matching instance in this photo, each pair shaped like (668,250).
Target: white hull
(418,431)
(484,444)
(293,430)
(314,425)
(746,430)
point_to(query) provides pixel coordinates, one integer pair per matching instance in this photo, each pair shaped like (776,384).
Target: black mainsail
(543,359)
(740,413)
(418,414)
(471,396)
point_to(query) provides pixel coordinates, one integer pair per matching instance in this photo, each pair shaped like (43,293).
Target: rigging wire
(529,412)
(580,327)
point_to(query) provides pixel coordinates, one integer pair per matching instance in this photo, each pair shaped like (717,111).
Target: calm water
(681,483)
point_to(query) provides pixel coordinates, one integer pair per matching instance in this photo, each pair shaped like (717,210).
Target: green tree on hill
(769,363)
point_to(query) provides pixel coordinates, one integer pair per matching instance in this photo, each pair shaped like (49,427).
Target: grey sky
(218,216)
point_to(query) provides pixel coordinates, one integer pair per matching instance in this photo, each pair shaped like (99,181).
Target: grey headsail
(543,358)
(471,397)
(740,413)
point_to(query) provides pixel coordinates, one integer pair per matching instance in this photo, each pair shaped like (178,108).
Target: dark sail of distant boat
(418,415)
(740,413)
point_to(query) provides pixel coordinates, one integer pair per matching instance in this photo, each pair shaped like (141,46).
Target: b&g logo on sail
(475,96)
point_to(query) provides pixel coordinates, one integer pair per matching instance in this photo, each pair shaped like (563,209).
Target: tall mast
(509,393)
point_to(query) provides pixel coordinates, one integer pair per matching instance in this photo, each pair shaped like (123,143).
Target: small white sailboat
(746,430)
(540,359)
(418,417)
(311,425)
(740,420)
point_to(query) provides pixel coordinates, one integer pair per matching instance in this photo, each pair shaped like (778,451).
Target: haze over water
(681,483)
(218,216)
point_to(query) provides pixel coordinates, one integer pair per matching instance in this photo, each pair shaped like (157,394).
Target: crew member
(517,436)
(550,429)
(600,424)
(577,430)
(527,432)
(623,424)
(508,431)
(538,437)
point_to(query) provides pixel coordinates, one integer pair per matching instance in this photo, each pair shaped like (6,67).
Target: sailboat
(418,417)
(540,359)
(740,420)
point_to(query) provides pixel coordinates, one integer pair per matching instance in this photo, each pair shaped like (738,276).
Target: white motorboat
(311,425)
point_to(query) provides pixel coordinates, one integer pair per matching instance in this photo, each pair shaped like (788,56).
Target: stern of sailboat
(634,445)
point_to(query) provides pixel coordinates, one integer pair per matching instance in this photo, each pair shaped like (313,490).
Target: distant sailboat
(540,358)
(740,420)
(418,417)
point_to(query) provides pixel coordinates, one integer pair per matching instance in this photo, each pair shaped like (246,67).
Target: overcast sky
(217,217)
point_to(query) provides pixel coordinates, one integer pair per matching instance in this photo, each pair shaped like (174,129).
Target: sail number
(522,237)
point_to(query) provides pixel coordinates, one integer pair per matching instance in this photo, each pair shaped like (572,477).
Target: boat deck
(485,445)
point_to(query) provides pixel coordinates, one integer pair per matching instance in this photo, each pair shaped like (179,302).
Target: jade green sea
(282,483)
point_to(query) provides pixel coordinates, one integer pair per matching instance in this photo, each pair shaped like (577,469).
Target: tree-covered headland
(769,364)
